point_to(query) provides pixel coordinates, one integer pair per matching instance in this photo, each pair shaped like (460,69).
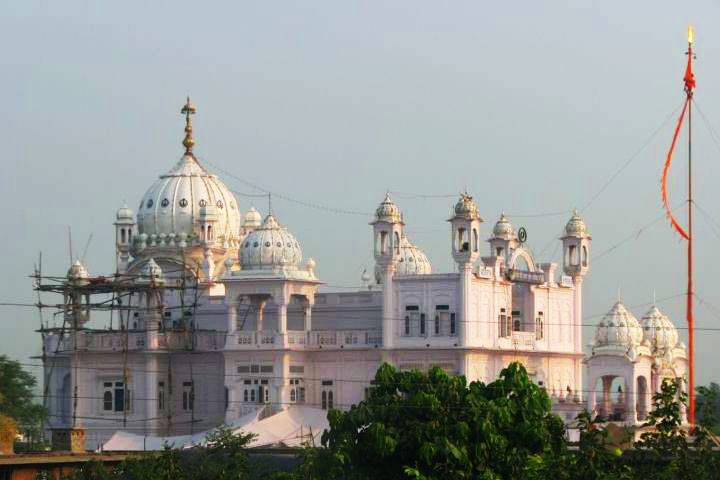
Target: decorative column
(607,401)
(151,394)
(631,399)
(282,388)
(388,313)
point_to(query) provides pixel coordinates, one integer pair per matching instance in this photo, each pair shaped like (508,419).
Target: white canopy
(293,427)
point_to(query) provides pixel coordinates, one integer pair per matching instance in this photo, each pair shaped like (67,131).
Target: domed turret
(77,272)
(124,213)
(270,246)
(576,226)
(659,330)
(171,207)
(252,219)
(503,228)
(388,211)
(618,328)
(466,208)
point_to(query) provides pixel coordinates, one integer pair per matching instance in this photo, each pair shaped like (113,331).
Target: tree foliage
(17,397)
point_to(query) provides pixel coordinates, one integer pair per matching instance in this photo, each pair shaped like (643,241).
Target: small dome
(77,271)
(413,261)
(269,246)
(388,211)
(618,328)
(151,272)
(659,330)
(466,207)
(575,226)
(124,213)
(252,219)
(503,228)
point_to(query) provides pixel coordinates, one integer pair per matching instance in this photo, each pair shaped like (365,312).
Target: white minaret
(124,234)
(388,229)
(465,225)
(576,263)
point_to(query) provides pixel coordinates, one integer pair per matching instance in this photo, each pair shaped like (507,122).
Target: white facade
(266,336)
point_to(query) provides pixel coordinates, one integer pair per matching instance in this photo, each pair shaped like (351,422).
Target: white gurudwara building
(254,330)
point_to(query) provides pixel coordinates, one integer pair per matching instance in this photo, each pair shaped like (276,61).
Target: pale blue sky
(531,105)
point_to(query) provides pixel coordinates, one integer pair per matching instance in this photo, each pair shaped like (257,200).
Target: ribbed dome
(252,219)
(466,207)
(576,226)
(172,206)
(618,328)
(387,211)
(503,228)
(659,330)
(413,261)
(269,246)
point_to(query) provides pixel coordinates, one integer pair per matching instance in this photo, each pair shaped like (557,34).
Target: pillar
(309,303)
(151,394)
(607,400)
(631,399)
(232,309)
(282,388)
(463,323)
(259,314)
(388,313)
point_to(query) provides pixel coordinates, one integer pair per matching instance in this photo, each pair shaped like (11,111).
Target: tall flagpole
(690,292)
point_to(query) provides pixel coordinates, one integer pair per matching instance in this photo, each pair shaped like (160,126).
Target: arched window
(129,234)
(292,395)
(324,400)
(397,243)
(499,252)
(383,243)
(573,255)
(209,232)
(330,400)
(462,245)
(476,243)
(122,235)
(584,256)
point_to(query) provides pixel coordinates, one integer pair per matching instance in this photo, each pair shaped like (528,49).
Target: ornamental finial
(187,110)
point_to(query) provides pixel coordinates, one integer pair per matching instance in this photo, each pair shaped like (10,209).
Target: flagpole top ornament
(691,34)
(188,142)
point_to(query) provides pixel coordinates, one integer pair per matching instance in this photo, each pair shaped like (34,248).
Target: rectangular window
(243,369)
(161,396)
(188,396)
(107,396)
(245,395)
(540,326)
(437,324)
(254,368)
(119,405)
(412,308)
(297,369)
(252,395)
(266,369)
(326,383)
(422,324)
(453,327)
(503,324)
(407,325)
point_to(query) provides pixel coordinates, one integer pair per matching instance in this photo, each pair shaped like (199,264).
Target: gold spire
(187,110)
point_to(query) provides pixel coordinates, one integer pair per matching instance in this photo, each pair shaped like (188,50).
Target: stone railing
(133,341)
(299,339)
(523,340)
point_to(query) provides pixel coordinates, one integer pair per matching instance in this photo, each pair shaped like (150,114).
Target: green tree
(17,397)
(432,425)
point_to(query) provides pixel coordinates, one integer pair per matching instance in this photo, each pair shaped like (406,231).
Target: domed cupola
(503,229)
(388,211)
(576,226)
(77,273)
(412,261)
(618,328)
(170,211)
(270,246)
(251,221)
(466,208)
(125,213)
(659,331)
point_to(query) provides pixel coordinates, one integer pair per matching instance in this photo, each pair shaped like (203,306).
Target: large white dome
(412,261)
(269,246)
(172,205)
(170,210)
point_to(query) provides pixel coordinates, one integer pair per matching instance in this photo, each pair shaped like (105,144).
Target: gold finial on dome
(187,110)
